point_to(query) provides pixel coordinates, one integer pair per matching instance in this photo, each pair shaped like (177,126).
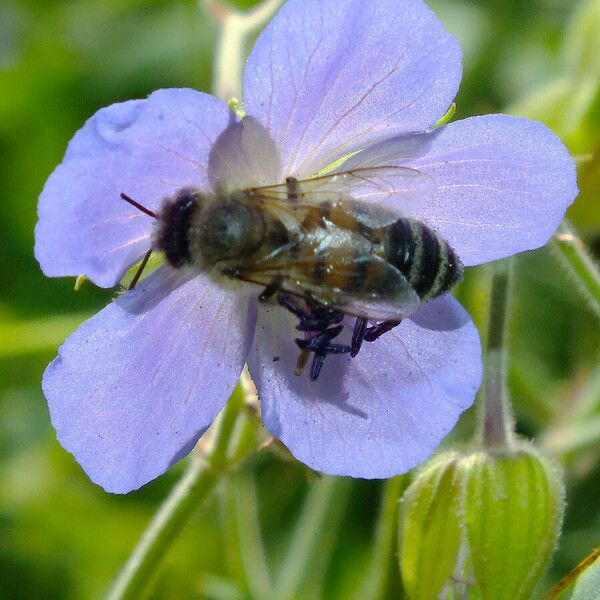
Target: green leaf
(582,44)
(582,583)
(588,583)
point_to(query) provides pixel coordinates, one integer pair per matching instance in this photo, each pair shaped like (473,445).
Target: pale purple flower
(133,389)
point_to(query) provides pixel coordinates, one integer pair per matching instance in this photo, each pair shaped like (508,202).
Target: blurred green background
(63,537)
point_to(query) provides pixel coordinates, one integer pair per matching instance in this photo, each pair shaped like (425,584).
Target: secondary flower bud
(484,521)
(430,528)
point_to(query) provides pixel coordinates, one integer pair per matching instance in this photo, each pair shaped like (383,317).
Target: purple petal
(380,413)
(244,156)
(328,77)
(133,389)
(144,148)
(502,184)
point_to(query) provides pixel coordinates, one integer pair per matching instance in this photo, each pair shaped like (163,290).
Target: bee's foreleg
(269,291)
(290,303)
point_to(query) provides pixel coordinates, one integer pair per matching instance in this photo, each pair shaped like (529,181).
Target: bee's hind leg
(358,335)
(378,330)
(315,318)
(368,334)
(321,344)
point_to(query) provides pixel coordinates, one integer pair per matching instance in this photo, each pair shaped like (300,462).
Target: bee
(316,249)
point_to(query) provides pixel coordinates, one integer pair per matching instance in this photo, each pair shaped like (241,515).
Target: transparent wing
(358,285)
(397,191)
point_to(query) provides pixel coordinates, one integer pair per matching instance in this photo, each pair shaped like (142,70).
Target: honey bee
(316,249)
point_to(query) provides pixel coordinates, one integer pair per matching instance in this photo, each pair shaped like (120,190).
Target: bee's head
(173,225)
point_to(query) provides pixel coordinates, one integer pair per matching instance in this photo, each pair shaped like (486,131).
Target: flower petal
(501,183)
(328,77)
(378,414)
(133,389)
(144,148)
(244,156)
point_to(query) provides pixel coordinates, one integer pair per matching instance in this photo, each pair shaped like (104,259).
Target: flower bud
(482,524)
(430,528)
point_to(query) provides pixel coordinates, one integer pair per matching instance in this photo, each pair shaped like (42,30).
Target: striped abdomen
(423,257)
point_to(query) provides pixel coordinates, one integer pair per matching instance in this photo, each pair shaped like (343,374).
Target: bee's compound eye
(187,194)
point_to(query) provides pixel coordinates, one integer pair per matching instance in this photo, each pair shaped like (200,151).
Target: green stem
(197,483)
(377,581)
(573,256)
(495,415)
(236,29)
(247,528)
(324,496)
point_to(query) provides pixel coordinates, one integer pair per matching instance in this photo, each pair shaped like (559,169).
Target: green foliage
(61,537)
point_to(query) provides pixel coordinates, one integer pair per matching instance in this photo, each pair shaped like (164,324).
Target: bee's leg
(317,365)
(378,330)
(319,358)
(362,333)
(308,319)
(322,314)
(290,303)
(321,340)
(321,345)
(269,291)
(358,335)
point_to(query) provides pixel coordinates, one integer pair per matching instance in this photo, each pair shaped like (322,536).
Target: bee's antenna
(138,205)
(141,268)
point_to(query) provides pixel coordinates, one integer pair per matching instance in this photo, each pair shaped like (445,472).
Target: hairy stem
(573,256)
(325,497)
(199,480)
(236,30)
(376,585)
(495,415)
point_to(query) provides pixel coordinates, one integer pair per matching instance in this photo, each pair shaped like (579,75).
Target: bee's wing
(398,302)
(359,272)
(392,191)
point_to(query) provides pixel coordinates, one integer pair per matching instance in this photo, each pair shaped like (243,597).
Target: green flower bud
(431,529)
(481,525)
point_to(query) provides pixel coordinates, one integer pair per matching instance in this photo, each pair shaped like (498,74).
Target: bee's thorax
(226,230)
(203,230)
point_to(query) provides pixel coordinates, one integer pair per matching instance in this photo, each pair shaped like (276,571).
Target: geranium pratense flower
(133,389)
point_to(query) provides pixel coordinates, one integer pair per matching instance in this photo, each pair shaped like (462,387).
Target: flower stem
(573,256)
(325,498)
(236,29)
(495,415)
(245,526)
(199,480)
(377,582)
